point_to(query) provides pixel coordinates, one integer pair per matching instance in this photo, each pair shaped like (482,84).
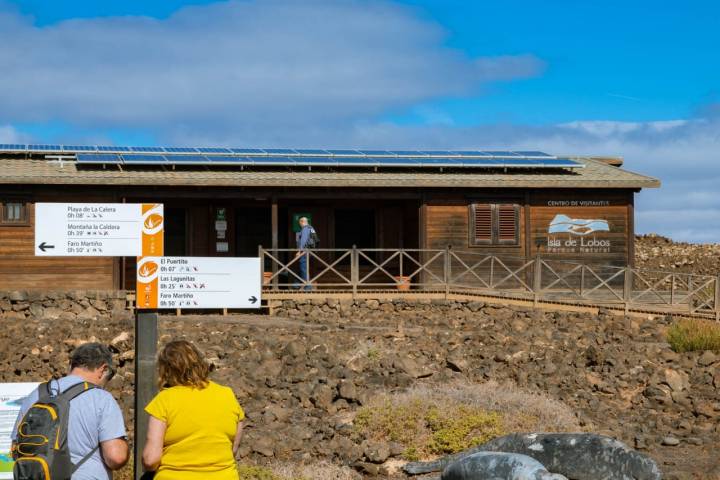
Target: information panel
(198,282)
(11,398)
(98,229)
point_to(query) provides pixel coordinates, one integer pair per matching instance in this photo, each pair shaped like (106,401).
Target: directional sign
(198,282)
(98,229)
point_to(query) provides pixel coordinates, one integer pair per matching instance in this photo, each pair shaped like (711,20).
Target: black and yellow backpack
(41,449)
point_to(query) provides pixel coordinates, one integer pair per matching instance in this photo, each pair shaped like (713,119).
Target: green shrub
(427,429)
(691,335)
(251,472)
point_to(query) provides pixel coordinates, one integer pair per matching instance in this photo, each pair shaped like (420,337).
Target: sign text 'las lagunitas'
(98,229)
(198,282)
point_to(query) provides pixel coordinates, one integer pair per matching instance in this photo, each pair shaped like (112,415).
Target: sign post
(146,338)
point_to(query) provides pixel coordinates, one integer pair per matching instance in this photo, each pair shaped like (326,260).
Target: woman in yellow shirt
(195,424)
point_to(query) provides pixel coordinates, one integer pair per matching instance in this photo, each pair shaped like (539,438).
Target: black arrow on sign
(252,299)
(44,246)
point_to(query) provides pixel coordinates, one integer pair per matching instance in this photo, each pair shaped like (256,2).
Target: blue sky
(638,79)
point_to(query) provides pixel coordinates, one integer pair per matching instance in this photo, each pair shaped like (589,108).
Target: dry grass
(689,335)
(431,420)
(287,471)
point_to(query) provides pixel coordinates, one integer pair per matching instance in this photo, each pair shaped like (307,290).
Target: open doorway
(355,227)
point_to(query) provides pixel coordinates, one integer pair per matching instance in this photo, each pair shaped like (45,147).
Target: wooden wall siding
(20,269)
(449,224)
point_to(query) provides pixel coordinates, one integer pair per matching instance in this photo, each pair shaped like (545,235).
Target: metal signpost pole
(146,338)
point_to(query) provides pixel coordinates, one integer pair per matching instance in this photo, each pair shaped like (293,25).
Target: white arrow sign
(198,282)
(98,229)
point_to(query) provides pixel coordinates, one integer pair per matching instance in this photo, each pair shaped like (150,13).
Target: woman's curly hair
(181,363)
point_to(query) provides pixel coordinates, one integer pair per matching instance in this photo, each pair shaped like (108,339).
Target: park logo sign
(578,239)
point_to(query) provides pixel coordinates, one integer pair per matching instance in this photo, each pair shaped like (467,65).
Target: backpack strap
(68,395)
(84,459)
(77,389)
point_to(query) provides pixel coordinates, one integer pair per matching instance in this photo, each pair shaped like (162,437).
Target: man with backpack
(307,238)
(70,428)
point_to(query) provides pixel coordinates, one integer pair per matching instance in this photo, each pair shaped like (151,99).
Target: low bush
(434,420)
(689,335)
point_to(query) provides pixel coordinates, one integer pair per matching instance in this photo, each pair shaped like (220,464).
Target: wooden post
(354,270)
(628,288)
(689,294)
(274,247)
(537,280)
(448,274)
(146,338)
(717,298)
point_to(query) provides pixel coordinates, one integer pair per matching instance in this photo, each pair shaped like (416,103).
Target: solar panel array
(220,156)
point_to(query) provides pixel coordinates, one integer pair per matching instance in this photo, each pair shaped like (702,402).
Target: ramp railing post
(447,272)
(354,270)
(146,337)
(627,288)
(537,280)
(717,298)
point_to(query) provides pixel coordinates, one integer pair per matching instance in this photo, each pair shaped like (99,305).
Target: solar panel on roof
(560,163)
(345,152)
(500,153)
(78,148)
(316,161)
(187,159)
(45,148)
(13,146)
(180,150)
(377,153)
(248,151)
(533,154)
(213,150)
(281,161)
(229,160)
(312,152)
(440,153)
(98,158)
(140,159)
(280,151)
(147,149)
(480,162)
(471,153)
(400,162)
(442,162)
(112,149)
(407,153)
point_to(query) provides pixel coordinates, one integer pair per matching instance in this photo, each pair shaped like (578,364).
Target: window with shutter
(13,213)
(481,224)
(507,224)
(494,224)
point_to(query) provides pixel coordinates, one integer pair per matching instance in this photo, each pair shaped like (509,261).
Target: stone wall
(64,305)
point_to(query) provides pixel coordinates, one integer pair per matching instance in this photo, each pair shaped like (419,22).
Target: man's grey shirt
(95,417)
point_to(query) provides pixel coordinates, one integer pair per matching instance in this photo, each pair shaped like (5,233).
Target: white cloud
(236,67)
(8,134)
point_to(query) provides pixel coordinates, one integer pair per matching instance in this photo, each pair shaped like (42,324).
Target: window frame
(24,211)
(495,240)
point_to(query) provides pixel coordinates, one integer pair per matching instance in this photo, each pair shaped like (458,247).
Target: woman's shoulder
(220,389)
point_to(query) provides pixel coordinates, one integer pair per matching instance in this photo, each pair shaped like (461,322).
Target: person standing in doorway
(306,239)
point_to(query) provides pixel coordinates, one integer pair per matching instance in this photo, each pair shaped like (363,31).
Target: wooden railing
(448,270)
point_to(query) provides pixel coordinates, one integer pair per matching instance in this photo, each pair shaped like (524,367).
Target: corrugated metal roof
(597,174)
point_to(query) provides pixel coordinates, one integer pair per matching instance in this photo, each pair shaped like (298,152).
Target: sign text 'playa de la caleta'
(98,229)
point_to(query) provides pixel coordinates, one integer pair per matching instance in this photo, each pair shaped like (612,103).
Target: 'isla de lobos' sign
(98,229)
(577,235)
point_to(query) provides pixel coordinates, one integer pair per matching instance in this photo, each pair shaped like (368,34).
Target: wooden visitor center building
(510,204)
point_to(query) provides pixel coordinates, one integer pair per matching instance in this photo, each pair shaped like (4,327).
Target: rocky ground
(655,252)
(302,373)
